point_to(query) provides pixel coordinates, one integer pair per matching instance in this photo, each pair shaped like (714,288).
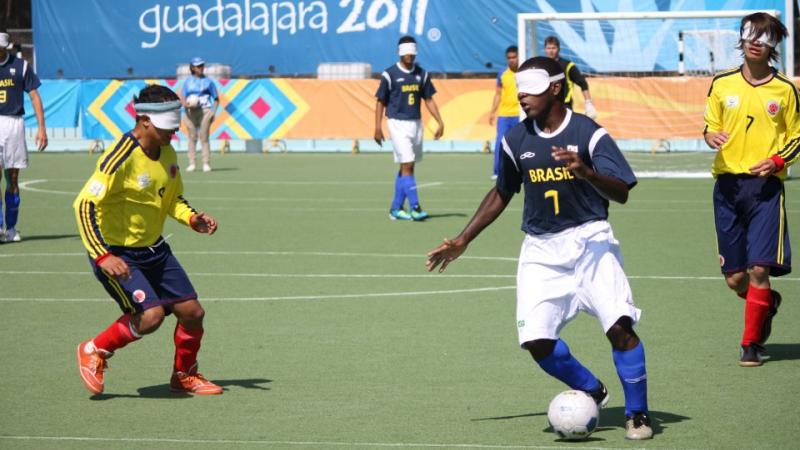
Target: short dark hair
(512,49)
(155,93)
(551,66)
(406,40)
(552,40)
(762,23)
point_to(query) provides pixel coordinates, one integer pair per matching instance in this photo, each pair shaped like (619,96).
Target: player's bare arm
(430,103)
(203,223)
(490,209)
(38,109)
(610,187)
(495,104)
(379,109)
(715,140)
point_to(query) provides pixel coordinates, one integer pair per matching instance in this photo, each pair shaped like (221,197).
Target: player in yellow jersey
(505,106)
(552,49)
(120,214)
(752,118)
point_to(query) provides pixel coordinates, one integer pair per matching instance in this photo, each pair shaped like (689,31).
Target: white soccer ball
(573,415)
(192,101)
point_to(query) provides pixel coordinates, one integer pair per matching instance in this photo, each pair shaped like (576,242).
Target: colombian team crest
(773,107)
(139,295)
(173,170)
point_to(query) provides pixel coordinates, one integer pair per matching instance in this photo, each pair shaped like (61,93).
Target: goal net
(648,73)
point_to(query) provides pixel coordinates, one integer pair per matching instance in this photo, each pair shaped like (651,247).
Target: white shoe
(190,168)
(206,168)
(12,235)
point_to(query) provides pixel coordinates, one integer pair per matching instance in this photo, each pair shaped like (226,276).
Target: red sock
(756,308)
(116,336)
(187,344)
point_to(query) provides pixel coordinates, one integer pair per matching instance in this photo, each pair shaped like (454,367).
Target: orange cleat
(91,364)
(193,384)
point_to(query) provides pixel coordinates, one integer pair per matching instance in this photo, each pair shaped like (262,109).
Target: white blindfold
(164,116)
(747,35)
(535,81)
(408,48)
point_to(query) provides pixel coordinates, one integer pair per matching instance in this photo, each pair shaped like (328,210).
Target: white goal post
(524,40)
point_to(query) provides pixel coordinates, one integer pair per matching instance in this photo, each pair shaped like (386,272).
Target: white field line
(278,298)
(275,253)
(220,442)
(372,275)
(26,186)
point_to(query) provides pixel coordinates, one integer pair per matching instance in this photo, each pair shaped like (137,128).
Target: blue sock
(563,366)
(12,208)
(633,376)
(1,210)
(411,191)
(399,193)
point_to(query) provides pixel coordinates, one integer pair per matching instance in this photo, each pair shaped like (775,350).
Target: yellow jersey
(509,103)
(761,121)
(127,198)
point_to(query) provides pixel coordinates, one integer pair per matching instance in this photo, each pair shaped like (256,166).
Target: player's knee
(192,316)
(148,321)
(759,274)
(540,348)
(621,334)
(737,281)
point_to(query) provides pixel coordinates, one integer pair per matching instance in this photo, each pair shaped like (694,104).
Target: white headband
(165,115)
(535,81)
(408,48)
(747,35)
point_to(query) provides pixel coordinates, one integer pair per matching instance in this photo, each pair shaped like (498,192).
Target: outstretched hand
(444,254)
(203,223)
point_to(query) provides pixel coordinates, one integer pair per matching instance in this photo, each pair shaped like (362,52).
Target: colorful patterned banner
(249,109)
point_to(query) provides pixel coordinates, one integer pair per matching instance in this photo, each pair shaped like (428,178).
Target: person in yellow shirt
(120,213)
(505,106)
(752,119)
(552,49)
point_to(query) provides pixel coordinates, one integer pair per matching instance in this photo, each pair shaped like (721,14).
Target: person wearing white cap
(199,96)
(120,213)
(16,78)
(401,88)
(752,119)
(570,260)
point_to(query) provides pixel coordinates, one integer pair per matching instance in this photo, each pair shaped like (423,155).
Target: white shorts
(560,274)
(13,150)
(406,139)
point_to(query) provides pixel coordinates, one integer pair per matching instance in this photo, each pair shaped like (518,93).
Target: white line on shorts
(220,442)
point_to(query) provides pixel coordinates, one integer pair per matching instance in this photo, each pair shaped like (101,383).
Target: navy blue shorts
(157,279)
(750,216)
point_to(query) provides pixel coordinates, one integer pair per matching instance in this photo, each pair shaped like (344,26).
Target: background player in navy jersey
(552,48)
(570,261)
(402,87)
(16,78)
(753,119)
(120,214)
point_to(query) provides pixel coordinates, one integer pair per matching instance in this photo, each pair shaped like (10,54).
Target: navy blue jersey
(554,198)
(401,90)
(16,77)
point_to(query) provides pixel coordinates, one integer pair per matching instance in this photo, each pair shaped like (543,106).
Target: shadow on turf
(442,215)
(782,352)
(163,391)
(611,416)
(48,237)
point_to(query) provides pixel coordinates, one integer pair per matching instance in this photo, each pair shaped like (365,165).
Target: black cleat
(637,427)
(750,355)
(600,395)
(766,330)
